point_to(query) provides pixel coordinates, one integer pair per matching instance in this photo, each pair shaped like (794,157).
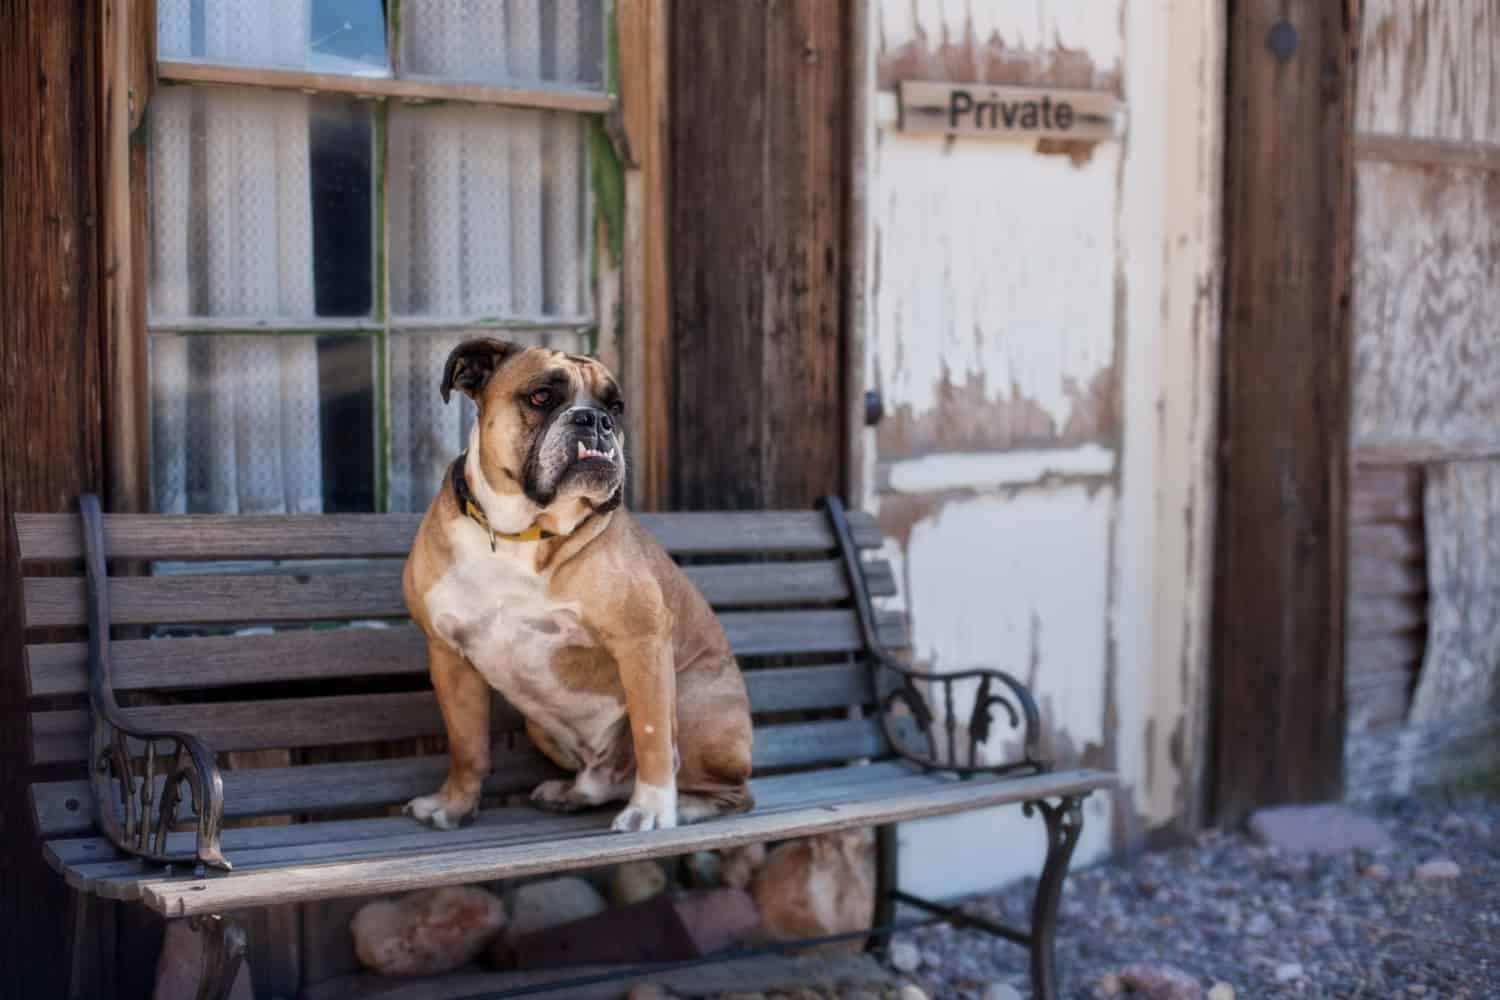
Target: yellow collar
(472,510)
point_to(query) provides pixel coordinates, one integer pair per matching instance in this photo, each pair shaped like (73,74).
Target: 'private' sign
(1008,112)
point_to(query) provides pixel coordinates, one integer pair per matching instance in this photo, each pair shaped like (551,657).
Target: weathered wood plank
(1396,541)
(1425,373)
(66,806)
(1427,152)
(1385,493)
(215,661)
(188,896)
(58,538)
(1280,564)
(1382,655)
(1373,576)
(375,592)
(1374,617)
(1428,69)
(1461,667)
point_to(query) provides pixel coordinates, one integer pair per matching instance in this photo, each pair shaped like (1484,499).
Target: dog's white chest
(494,609)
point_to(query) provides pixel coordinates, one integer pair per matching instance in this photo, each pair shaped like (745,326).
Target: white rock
(1221,991)
(1288,972)
(537,906)
(912,992)
(1436,870)
(1259,925)
(904,956)
(426,933)
(1000,991)
(1110,985)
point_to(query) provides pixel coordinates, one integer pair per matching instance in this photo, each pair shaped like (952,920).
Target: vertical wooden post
(1278,712)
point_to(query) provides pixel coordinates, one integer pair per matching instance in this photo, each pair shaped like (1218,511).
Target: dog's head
(551,425)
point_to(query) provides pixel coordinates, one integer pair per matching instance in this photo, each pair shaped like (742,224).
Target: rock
(1160,982)
(537,906)
(903,955)
(1109,985)
(1317,934)
(933,959)
(1320,829)
(738,865)
(1454,823)
(1000,991)
(426,933)
(180,966)
(912,992)
(704,869)
(1259,925)
(816,887)
(636,882)
(1288,972)
(1436,870)
(1221,991)
(1378,872)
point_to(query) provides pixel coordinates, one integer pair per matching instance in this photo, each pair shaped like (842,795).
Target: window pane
(324,36)
(263,424)
(489,213)
(260,205)
(504,41)
(427,435)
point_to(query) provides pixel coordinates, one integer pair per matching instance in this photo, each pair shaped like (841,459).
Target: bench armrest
(136,798)
(904,706)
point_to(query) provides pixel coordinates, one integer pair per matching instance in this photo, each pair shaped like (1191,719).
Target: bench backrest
(283,642)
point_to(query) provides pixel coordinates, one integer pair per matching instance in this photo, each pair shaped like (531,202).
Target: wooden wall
(1278,695)
(1425,429)
(50,420)
(758,178)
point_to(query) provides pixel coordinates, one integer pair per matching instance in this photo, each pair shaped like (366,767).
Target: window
(339,192)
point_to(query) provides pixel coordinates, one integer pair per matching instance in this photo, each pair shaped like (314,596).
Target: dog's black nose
(596,419)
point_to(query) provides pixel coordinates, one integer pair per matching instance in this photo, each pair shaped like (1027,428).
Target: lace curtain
(488,209)
(234,418)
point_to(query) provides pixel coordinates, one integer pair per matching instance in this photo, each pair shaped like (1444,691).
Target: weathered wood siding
(1046,367)
(1426,393)
(50,421)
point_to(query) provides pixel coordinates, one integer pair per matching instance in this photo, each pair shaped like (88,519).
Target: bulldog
(529,576)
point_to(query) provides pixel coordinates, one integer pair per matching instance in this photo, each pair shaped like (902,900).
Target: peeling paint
(993,470)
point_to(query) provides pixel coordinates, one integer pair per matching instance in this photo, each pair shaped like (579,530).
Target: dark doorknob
(874,407)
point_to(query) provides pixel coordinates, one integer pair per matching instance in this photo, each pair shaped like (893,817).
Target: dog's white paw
(438,813)
(651,808)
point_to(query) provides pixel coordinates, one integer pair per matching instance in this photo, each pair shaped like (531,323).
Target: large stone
(536,906)
(1437,870)
(1160,982)
(636,882)
(817,887)
(179,967)
(1000,991)
(427,932)
(1319,829)
(738,865)
(904,956)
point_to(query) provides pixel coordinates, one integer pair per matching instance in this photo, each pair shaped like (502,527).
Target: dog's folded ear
(471,364)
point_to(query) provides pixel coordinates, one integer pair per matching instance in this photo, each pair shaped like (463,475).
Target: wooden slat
(1382,655)
(1374,617)
(1385,493)
(57,537)
(93,864)
(1400,541)
(1373,576)
(215,661)
(375,592)
(1427,152)
(188,896)
(67,807)
(62,736)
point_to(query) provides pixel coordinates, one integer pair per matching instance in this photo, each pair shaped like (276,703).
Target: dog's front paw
(439,812)
(651,808)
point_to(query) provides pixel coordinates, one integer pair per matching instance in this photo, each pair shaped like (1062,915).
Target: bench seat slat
(937,796)
(58,537)
(65,807)
(63,736)
(93,862)
(215,661)
(375,592)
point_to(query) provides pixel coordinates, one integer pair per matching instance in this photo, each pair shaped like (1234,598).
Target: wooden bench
(232,645)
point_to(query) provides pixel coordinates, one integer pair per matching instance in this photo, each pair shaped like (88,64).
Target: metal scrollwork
(138,794)
(900,685)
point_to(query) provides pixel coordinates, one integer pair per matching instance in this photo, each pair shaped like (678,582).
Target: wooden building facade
(1193,427)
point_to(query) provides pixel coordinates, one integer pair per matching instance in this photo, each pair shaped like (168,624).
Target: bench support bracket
(223,951)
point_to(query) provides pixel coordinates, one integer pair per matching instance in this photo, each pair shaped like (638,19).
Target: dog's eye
(541,398)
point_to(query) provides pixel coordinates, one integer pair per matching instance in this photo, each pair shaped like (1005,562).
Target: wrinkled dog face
(551,424)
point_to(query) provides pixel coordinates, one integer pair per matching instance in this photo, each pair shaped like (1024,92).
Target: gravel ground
(1269,924)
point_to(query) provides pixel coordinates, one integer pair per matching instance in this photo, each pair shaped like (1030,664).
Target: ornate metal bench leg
(1064,824)
(223,950)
